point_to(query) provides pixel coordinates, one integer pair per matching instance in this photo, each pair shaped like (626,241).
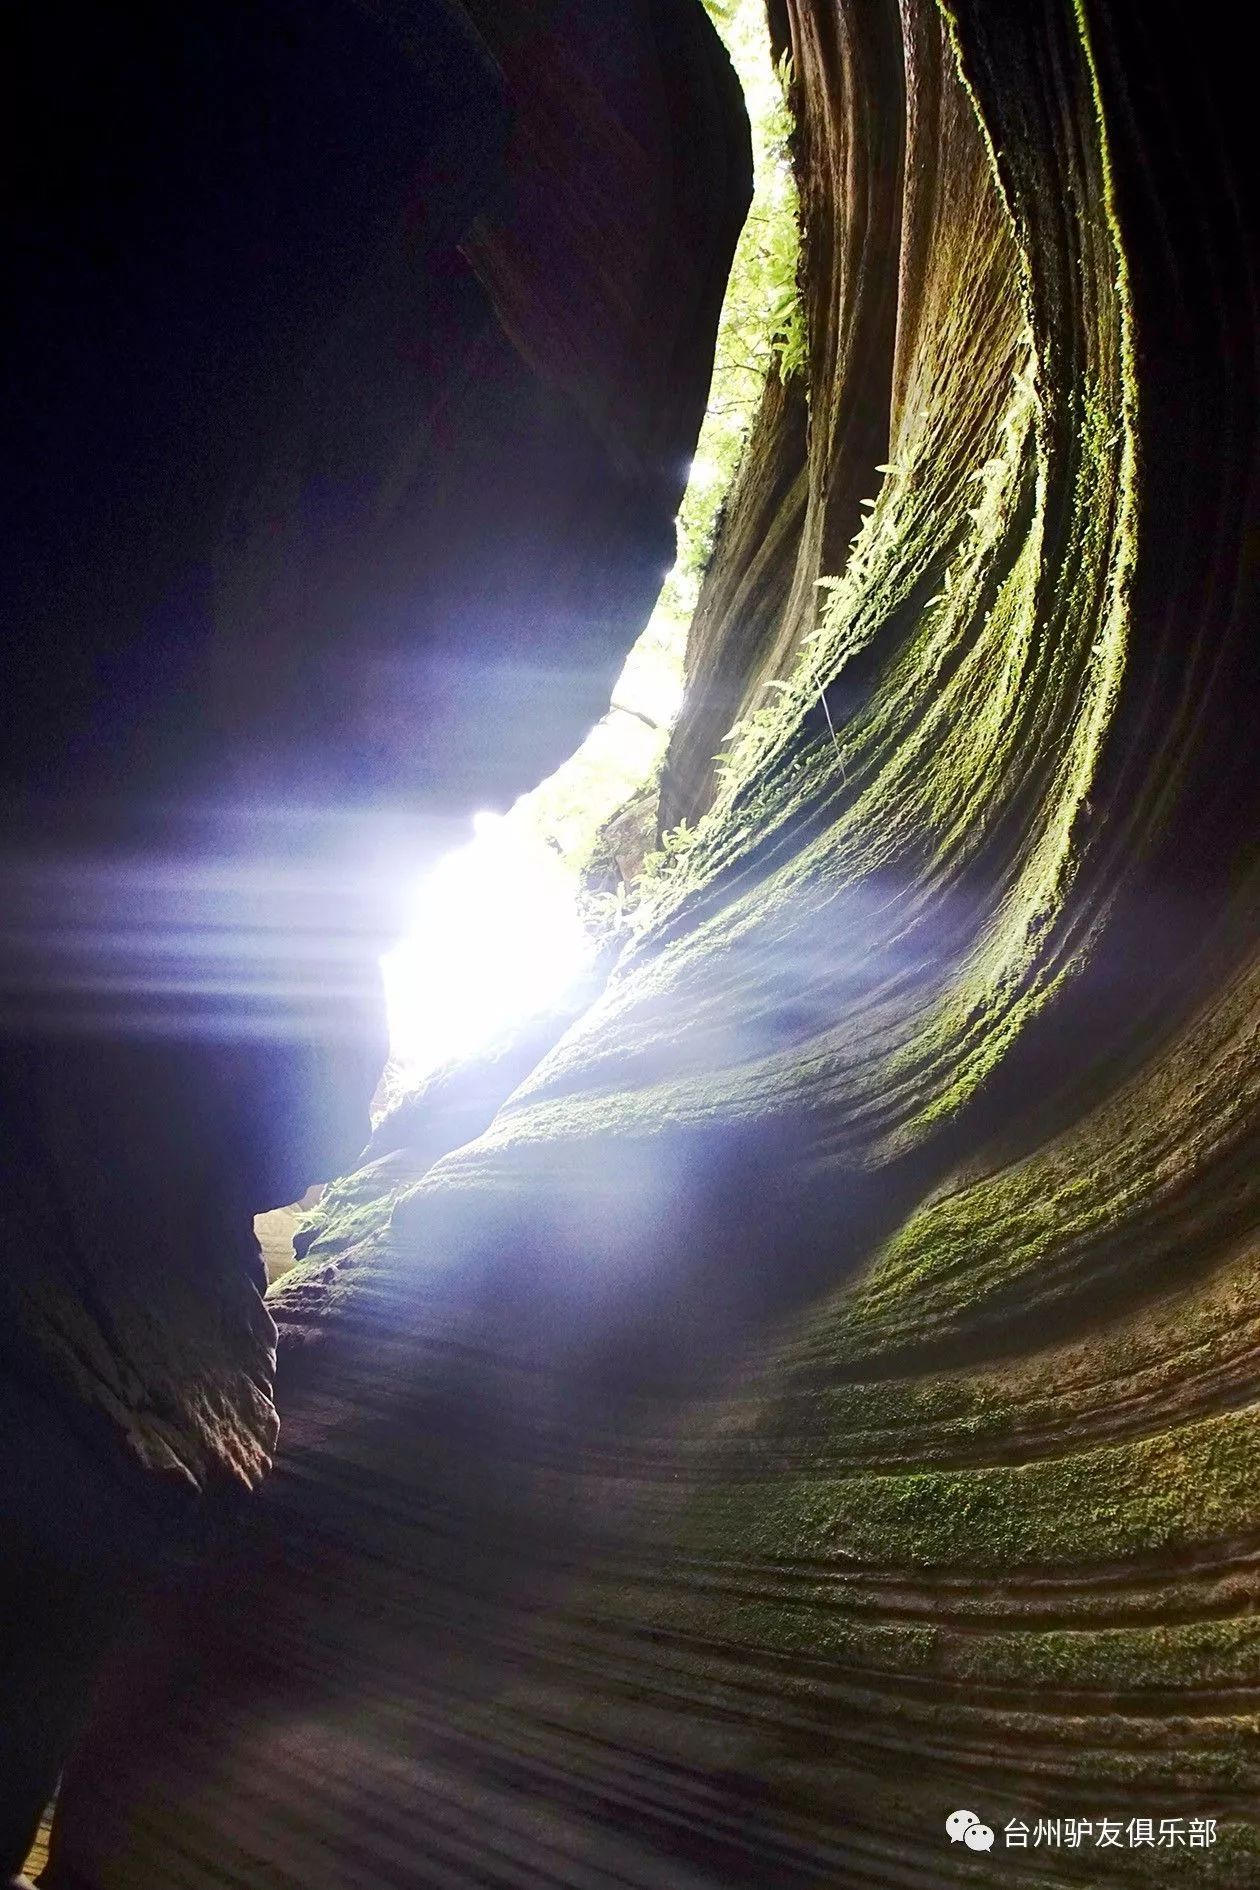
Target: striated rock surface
(824,1395)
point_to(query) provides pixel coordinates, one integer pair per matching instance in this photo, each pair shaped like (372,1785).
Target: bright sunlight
(497,928)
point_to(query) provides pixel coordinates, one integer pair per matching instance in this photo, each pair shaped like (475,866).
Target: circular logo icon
(957,1823)
(979,1837)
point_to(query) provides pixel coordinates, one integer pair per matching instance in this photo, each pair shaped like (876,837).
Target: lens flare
(495,936)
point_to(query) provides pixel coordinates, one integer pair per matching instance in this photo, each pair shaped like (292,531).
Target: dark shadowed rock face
(343,518)
(824,1394)
(317,524)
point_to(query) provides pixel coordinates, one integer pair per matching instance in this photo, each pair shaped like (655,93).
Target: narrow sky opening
(496,932)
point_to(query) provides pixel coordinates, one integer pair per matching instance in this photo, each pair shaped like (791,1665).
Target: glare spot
(494,937)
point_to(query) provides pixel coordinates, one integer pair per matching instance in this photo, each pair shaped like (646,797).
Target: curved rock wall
(824,1396)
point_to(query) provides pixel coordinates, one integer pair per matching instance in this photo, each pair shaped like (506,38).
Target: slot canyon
(763,1361)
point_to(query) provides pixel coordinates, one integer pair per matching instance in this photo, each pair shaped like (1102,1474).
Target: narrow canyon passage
(765,1391)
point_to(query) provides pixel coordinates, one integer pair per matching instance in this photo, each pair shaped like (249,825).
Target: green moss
(350,1211)
(1035,1558)
(1151,1495)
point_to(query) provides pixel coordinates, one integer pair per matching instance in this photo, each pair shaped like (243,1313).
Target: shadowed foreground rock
(322,523)
(824,1395)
